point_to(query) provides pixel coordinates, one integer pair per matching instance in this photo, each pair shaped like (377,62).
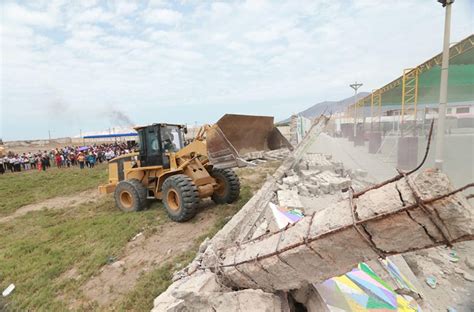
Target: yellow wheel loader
(180,175)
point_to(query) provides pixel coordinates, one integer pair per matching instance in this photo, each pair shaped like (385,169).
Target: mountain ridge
(331,106)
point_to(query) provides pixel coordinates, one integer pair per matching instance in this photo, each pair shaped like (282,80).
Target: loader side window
(153,146)
(141,141)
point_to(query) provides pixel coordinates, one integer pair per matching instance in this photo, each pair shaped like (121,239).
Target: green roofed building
(418,87)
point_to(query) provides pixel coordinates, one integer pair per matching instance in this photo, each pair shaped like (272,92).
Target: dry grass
(38,248)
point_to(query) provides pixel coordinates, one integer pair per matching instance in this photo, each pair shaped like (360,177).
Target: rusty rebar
(427,211)
(399,176)
(373,218)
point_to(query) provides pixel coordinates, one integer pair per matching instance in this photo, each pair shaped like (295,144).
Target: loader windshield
(172,138)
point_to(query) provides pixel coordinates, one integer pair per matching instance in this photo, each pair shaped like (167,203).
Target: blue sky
(66,65)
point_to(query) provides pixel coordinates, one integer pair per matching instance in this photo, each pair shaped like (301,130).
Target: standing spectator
(91,160)
(39,162)
(48,159)
(26,162)
(31,158)
(17,163)
(72,158)
(44,162)
(8,163)
(81,159)
(58,160)
(2,168)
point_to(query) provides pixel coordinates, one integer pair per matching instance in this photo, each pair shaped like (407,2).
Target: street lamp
(443,88)
(355,86)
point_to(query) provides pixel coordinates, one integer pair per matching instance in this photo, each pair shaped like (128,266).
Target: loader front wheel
(180,197)
(130,196)
(228,186)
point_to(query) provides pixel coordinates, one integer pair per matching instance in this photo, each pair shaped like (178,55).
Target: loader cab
(156,140)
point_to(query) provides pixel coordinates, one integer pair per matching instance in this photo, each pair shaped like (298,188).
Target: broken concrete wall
(297,267)
(240,228)
(244,222)
(327,244)
(202,292)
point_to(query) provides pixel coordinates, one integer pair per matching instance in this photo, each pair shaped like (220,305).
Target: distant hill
(329,106)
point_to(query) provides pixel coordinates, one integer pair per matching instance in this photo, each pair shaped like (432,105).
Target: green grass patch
(23,188)
(36,249)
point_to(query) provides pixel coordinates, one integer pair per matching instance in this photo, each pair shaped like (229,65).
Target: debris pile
(276,247)
(381,222)
(264,156)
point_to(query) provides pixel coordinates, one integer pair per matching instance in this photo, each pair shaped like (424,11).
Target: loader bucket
(236,135)
(220,151)
(252,133)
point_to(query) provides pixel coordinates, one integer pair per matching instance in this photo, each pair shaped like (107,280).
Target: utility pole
(443,88)
(49,135)
(355,86)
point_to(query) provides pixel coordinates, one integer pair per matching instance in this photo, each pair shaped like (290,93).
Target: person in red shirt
(58,160)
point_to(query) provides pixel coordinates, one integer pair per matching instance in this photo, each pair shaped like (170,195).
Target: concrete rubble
(283,261)
(264,156)
(203,292)
(252,265)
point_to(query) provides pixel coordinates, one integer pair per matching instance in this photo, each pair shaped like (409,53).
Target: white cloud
(126,7)
(17,14)
(161,60)
(162,16)
(93,15)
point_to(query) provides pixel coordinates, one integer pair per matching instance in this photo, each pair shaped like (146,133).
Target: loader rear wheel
(130,195)
(180,197)
(228,189)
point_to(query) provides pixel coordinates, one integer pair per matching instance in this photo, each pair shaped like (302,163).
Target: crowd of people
(68,156)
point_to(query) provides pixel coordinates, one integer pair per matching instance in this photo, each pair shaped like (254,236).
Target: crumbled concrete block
(325,187)
(261,229)
(204,245)
(313,189)
(290,173)
(233,301)
(291,180)
(329,182)
(289,199)
(201,281)
(192,267)
(307,174)
(316,162)
(303,190)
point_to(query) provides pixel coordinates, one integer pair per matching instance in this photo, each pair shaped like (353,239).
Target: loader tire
(130,195)
(228,186)
(180,197)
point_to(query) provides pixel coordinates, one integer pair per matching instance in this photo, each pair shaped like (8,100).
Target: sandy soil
(60,202)
(455,280)
(141,255)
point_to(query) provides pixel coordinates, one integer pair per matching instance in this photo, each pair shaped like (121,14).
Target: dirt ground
(145,252)
(60,202)
(455,277)
(141,255)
